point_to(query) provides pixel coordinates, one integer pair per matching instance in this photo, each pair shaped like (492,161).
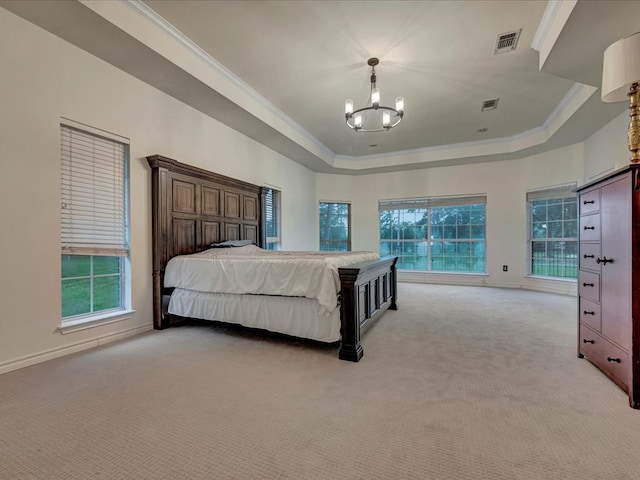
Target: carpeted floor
(459,383)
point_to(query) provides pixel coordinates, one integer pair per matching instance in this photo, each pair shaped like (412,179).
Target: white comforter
(252,270)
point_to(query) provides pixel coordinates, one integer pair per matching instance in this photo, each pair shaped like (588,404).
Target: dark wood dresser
(609,277)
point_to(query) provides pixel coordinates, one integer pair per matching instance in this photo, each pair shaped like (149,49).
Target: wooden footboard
(367,290)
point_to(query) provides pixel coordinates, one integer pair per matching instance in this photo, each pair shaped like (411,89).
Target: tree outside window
(335,226)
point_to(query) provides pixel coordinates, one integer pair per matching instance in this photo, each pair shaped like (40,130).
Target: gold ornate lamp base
(633,133)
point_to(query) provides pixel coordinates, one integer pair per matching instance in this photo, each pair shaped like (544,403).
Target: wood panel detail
(184,197)
(232,205)
(251,233)
(210,201)
(184,236)
(210,233)
(232,231)
(250,211)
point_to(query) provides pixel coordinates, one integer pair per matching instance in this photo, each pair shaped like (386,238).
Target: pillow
(232,243)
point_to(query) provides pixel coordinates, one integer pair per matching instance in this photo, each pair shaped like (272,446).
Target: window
(553,232)
(271,213)
(444,234)
(335,226)
(94,223)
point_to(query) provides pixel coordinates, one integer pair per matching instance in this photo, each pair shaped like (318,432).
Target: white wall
(606,150)
(44,78)
(505,185)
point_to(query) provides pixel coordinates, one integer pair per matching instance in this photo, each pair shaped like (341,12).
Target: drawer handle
(587,285)
(610,359)
(589,313)
(604,260)
(588,341)
(587,202)
(589,256)
(590,228)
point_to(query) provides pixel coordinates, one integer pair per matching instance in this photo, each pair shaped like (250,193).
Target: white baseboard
(69,349)
(467,279)
(561,287)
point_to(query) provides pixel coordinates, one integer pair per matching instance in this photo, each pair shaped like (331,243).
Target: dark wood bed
(193,208)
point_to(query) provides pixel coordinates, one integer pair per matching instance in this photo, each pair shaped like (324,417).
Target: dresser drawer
(589,285)
(589,252)
(590,227)
(590,202)
(589,314)
(608,357)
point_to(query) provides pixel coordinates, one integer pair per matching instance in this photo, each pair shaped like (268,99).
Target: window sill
(439,272)
(94,321)
(553,279)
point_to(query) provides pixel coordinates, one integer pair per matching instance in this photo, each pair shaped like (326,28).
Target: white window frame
(554,192)
(81,233)
(429,203)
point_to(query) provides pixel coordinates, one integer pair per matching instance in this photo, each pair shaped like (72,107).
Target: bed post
(366,290)
(350,347)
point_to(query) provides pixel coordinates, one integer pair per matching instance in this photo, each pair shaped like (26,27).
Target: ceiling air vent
(490,104)
(507,42)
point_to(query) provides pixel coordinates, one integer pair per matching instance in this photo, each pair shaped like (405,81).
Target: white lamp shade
(621,68)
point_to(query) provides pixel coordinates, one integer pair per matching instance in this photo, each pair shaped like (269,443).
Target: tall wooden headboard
(193,208)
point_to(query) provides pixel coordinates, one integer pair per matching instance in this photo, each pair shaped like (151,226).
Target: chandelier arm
(379,107)
(373,130)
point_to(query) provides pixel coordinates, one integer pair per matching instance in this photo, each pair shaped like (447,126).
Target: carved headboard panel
(193,208)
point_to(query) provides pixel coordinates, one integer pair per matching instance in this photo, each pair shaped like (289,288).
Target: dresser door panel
(616,274)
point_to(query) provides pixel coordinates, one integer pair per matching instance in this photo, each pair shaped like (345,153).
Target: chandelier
(373,117)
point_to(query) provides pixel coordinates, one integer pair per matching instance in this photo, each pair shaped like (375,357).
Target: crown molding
(548,18)
(167,28)
(553,21)
(575,97)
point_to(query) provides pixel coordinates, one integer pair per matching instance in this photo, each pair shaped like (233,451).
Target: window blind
(272,215)
(430,202)
(560,191)
(94,197)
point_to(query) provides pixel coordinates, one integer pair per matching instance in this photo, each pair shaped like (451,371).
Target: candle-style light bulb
(400,104)
(357,121)
(386,119)
(375,97)
(348,107)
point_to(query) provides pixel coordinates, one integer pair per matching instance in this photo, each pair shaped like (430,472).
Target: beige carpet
(460,383)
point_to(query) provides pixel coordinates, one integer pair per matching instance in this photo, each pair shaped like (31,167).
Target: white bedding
(297,316)
(252,270)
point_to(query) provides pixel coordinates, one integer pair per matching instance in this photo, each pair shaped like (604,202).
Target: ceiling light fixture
(373,117)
